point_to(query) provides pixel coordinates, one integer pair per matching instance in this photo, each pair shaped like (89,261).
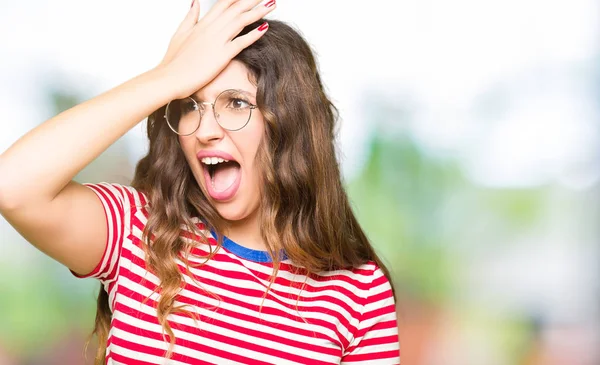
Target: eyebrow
(196,97)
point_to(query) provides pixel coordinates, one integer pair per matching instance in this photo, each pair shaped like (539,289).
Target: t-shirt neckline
(245,252)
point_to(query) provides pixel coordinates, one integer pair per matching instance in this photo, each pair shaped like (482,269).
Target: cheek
(257,135)
(258,173)
(248,143)
(187,147)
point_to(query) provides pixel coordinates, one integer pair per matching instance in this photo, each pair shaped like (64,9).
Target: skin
(241,211)
(66,220)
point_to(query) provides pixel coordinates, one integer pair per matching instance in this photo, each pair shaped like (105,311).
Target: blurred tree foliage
(424,215)
(399,199)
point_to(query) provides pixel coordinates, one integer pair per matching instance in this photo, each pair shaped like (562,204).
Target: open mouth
(222,177)
(223,174)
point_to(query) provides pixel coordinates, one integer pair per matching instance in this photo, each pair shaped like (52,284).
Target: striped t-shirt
(340,317)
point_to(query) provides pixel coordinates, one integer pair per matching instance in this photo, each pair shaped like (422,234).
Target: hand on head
(200,49)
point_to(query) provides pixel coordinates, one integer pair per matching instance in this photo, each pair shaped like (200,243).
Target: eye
(188,106)
(237,103)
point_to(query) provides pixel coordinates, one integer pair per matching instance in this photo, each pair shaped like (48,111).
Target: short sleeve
(115,199)
(376,338)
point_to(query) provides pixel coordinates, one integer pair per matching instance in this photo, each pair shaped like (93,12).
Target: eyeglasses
(231,109)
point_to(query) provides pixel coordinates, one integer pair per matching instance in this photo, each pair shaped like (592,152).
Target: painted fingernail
(193,1)
(270,3)
(263,27)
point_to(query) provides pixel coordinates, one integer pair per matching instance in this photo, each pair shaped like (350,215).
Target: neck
(246,232)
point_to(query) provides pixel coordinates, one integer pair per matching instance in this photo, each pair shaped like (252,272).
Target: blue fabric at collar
(245,252)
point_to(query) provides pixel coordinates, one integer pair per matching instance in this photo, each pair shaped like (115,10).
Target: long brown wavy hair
(304,209)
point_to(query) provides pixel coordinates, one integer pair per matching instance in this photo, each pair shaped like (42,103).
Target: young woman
(235,243)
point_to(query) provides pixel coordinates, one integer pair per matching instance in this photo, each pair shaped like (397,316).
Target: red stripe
(235,328)
(127,360)
(360,285)
(286,282)
(135,221)
(379,312)
(386,294)
(236,275)
(244,276)
(378,341)
(150,351)
(366,273)
(228,313)
(316,321)
(391,354)
(99,266)
(110,211)
(377,326)
(212,350)
(111,286)
(115,210)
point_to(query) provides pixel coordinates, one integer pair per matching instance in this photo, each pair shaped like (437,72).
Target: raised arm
(37,195)
(60,217)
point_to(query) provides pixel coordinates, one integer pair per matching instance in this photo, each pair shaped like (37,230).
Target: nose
(209,131)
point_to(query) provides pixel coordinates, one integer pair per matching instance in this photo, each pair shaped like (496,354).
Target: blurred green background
(469,141)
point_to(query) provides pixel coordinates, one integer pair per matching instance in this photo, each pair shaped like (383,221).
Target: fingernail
(193,1)
(270,3)
(263,26)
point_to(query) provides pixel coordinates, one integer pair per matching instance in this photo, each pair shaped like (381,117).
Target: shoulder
(373,284)
(368,273)
(124,196)
(373,277)
(363,280)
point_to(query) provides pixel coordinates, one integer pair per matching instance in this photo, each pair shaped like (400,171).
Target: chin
(233,212)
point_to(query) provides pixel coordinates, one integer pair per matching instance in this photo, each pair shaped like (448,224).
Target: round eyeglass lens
(183,116)
(233,110)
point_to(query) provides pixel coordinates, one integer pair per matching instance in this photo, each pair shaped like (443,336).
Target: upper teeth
(213,160)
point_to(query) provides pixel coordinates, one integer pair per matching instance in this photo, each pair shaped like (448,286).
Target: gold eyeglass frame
(216,115)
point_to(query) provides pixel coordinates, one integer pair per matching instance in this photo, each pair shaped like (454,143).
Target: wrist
(164,81)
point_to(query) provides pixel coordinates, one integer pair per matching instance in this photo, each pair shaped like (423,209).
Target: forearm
(41,163)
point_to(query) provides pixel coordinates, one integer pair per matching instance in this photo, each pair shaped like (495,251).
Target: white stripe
(328,287)
(250,284)
(121,202)
(207,327)
(371,322)
(140,355)
(109,206)
(322,315)
(382,333)
(186,351)
(283,274)
(266,270)
(268,303)
(373,306)
(391,361)
(275,319)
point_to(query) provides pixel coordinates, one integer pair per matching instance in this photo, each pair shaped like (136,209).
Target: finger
(217,10)
(243,7)
(250,17)
(191,18)
(238,44)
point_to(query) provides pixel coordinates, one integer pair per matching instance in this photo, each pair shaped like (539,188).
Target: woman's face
(232,187)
